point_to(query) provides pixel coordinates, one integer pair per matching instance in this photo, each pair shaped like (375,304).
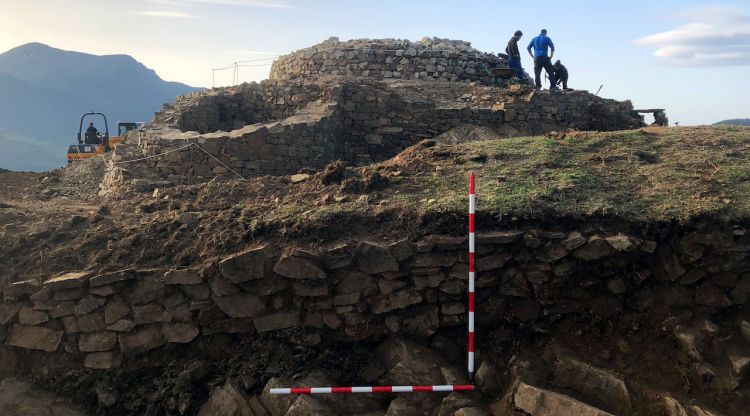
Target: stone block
(141,341)
(183,277)
(196,292)
(35,338)
(372,258)
(115,309)
(69,294)
(573,241)
(596,248)
(492,262)
(281,320)
(540,402)
(148,314)
(296,266)
(93,322)
(28,316)
(180,333)
(123,325)
(593,382)
(241,305)
(150,288)
(97,341)
(498,237)
(72,280)
(89,304)
(220,287)
(112,277)
(63,309)
(354,281)
(9,312)
(226,401)
(252,264)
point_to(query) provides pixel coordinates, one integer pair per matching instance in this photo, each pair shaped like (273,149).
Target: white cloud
(710,36)
(265,4)
(171,15)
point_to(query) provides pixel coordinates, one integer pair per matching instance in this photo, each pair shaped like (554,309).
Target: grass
(651,174)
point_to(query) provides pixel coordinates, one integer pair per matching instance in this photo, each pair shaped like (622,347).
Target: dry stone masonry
(361,101)
(361,290)
(428,59)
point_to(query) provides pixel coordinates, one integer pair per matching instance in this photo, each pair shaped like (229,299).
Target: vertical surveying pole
(472,211)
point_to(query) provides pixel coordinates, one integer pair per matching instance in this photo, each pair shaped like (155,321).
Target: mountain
(44,91)
(734,122)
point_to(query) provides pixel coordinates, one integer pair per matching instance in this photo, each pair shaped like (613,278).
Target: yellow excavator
(93,142)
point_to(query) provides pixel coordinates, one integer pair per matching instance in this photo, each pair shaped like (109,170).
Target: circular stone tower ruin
(427,59)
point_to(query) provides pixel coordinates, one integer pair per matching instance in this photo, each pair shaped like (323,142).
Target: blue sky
(690,57)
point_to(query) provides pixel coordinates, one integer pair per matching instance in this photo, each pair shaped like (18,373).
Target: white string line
(222,163)
(152,156)
(177,149)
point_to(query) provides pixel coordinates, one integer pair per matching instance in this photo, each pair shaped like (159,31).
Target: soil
(55,222)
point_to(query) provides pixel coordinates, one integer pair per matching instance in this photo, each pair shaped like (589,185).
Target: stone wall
(358,290)
(359,122)
(428,59)
(228,109)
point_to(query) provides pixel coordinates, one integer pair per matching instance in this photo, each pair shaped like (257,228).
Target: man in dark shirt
(91,133)
(514,56)
(541,60)
(561,74)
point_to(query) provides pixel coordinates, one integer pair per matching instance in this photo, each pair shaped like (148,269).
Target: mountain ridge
(44,90)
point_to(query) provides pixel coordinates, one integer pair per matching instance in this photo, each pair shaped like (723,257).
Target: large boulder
(226,401)
(595,383)
(540,402)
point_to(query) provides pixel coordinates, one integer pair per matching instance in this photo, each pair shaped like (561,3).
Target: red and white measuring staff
(371,389)
(414,389)
(472,272)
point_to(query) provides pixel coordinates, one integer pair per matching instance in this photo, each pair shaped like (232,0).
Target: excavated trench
(626,319)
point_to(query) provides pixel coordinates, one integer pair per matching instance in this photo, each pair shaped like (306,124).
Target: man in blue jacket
(541,60)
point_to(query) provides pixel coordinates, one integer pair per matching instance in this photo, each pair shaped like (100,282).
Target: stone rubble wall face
(363,123)
(362,291)
(232,108)
(393,61)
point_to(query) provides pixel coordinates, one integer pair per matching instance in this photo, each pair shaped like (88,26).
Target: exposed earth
(627,352)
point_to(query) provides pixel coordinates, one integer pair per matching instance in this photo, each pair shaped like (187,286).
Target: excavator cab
(91,145)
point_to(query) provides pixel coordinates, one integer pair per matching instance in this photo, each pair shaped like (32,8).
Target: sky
(690,57)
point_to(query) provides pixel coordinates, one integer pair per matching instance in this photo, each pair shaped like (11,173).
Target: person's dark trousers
(514,64)
(543,62)
(564,79)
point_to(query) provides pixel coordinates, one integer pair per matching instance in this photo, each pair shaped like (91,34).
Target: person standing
(514,56)
(541,60)
(561,74)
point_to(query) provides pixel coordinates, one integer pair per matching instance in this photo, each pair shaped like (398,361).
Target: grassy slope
(650,174)
(646,174)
